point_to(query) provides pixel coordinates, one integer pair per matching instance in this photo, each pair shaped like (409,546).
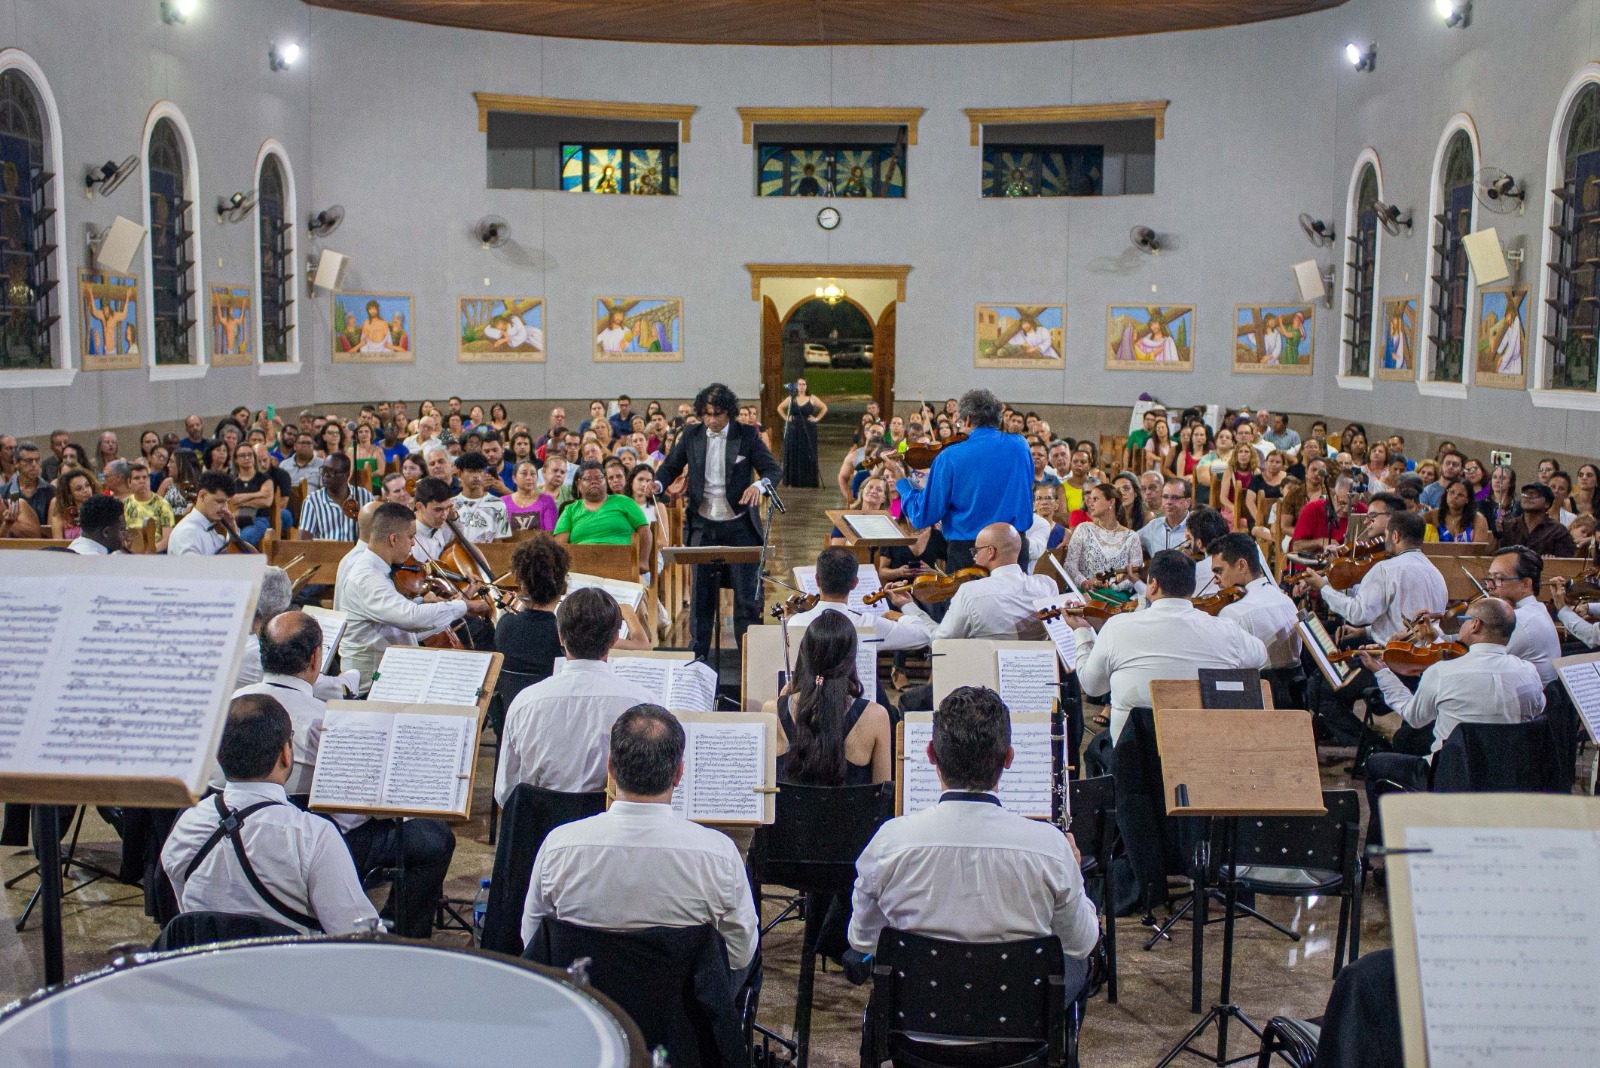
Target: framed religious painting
(372,328)
(1399,360)
(500,330)
(109,328)
(1273,339)
(638,329)
(1027,336)
(233,326)
(1502,337)
(1142,337)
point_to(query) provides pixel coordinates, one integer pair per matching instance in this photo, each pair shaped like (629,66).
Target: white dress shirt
(969,871)
(907,632)
(85,546)
(1488,685)
(1534,638)
(305,713)
(1269,614)
(1156,535)
(714,503)
(1000,606)
(1392,593)
(378,615)
(193,536)
(296,855)
(1171,639)
(1582,629)
(430,543)
(558,732)
(642,865)
(326,688)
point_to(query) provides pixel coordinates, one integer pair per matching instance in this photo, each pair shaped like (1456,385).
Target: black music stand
(1229,763)
(718,558)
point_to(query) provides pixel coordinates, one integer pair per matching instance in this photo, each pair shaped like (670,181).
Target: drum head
(333,1002)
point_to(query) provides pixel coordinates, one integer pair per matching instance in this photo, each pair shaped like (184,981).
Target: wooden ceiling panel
(830,22)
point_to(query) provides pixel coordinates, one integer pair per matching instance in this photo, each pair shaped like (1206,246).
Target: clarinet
(1059,814)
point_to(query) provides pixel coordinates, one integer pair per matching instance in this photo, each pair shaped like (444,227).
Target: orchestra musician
(984,480)
(103,528)
(378,615)
(1264,610)
(728,470)
(196,533)
(837,575)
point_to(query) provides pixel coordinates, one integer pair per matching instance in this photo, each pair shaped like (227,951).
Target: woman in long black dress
(801,413)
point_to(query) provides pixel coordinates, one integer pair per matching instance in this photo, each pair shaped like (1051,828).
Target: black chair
(1094,826)
(1293,1040)
(673,981)
(1359,1029)
(1153,842)
(1504,758)
(1297,856)
(531,813)
(811,846)
(506,688)
(205,928)
(937,1003)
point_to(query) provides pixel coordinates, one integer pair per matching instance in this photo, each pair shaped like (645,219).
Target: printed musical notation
(412,675)
(1504,928)
(1027,679)
(1582,680)
(413,759)
(867,581)
(1026,788)
(724,766)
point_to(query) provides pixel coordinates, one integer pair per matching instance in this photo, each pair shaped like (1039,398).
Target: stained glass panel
(639,170)
(828,170)
(25,204)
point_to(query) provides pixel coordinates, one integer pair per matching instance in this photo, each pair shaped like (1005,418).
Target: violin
(349,507)
(920,457)
(226,527)
(1093,612)
(1344,573)
(415,580)
(795,605)
(930,588)
(1216,602)
(1406,656)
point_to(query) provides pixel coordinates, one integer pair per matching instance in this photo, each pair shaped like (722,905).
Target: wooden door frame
(772,377)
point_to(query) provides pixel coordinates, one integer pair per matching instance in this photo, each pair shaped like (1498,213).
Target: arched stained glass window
(1448,330)
(171,234)
(28,299)
(1361,258)
(1575,240)
(277,264)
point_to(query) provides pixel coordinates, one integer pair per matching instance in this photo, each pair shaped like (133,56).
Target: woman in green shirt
(601,518)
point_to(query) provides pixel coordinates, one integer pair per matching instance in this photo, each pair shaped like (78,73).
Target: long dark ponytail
(825,686)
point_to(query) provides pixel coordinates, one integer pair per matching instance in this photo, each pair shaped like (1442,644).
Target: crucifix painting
(1273,339)
(1150,338)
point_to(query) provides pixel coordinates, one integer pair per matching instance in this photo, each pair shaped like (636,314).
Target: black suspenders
(230,823)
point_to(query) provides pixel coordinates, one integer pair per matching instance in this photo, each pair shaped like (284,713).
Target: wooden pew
(34,543)
(324,555)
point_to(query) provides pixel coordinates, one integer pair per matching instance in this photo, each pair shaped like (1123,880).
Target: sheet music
(351,758)
(1027,679)
(723,765)
(873,527)
(805,578)
(1025,788)
(647,671)
(1315,637)
(1583,686)
(920,779)
(33,606)
(136,678)
(1060,628)
(332,624)
(414,676)
(628,593)
(693,687)
(1505,921)
(427,763)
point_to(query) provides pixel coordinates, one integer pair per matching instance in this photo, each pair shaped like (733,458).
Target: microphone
(772,492)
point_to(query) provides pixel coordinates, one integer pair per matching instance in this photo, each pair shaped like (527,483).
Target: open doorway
(829,343)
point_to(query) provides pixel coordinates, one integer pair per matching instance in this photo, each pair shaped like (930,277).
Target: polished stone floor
(1272,976)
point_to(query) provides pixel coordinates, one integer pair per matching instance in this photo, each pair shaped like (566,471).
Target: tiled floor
(1272,974)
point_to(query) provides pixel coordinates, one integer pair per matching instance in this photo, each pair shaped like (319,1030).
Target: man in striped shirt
(322,515)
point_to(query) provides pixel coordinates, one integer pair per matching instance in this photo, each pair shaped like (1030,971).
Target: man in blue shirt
(986,479)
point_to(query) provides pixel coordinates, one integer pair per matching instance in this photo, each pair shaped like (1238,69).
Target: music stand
(1228,763)
(719,558)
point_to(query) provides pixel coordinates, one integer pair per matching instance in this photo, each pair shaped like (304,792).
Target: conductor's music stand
(1228,763)
(719,558)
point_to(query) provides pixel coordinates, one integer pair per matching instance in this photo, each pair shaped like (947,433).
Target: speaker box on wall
(119,246)
(330,270)
(1308,276)
(1483,252)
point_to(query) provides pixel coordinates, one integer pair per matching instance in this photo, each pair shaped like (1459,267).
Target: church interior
(1273,363)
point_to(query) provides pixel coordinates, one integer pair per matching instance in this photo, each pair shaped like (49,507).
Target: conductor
(728,469)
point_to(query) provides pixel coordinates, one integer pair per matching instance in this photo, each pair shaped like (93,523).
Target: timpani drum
(350,1001)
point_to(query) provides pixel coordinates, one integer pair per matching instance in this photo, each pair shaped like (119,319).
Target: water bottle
(479,907)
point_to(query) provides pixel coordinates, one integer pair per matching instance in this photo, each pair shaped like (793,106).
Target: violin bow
(1474,579)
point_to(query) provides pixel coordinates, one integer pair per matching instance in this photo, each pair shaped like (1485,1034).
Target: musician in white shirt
(194,535)
(296,856)
(557,731)
(1171,639)
(102,528)
(639,864)
(431,507)
(1264,611)
(378,615)
(1488,685)
(1578,621)
(966,869)
(837,575)
(1514,576)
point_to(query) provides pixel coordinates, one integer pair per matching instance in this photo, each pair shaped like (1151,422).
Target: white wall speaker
(330,270)
(119,246)
(1308,276)
(1483,252)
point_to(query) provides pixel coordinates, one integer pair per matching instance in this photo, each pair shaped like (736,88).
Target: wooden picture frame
(108,301)
(230,315)
(349,342)
(1000,340)
(1131,345)
(1500,355)
(1400,348)
(500,330)
(658,321)
(1264,333)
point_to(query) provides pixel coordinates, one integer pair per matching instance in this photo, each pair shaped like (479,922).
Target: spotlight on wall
(1456,13)
(282,57)
(1362,59)
(175,12)
(1145,239)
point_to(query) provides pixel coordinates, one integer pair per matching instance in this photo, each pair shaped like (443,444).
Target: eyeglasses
(1496,580)
(976,549)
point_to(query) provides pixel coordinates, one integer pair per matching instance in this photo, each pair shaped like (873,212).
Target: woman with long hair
(1130,502)
(1502,504)
(1232,500)
(1103,544)
(528,507)
(73,486)
(368,458)
(498,418)
(252,496)
(1458,517)
(147,442)
(1161,452)
(1213,466)
(1584,494)
(1266,489)
(1377,468)
(829,733)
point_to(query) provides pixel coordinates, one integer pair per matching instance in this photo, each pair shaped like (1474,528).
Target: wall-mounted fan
(1145,239)
(1392,219)
(236,207)
(1498,191)
(105,178)
(1317,232)
(492,231)
(326,221)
